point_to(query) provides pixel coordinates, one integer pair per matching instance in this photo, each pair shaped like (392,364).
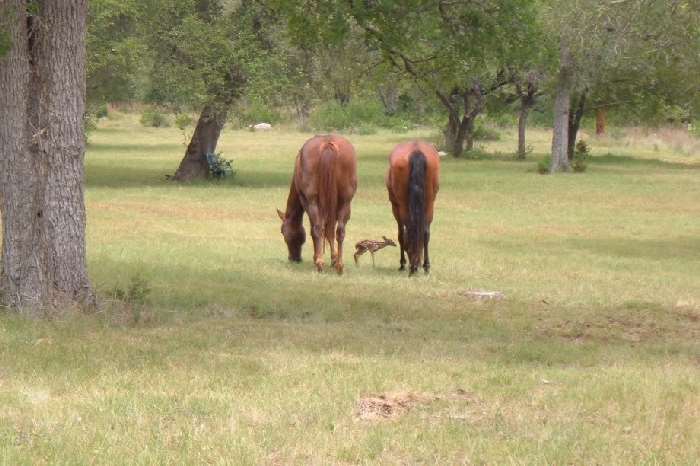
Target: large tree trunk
(42,94)
(562,103)
(601,120)
(575,118)
(194,165)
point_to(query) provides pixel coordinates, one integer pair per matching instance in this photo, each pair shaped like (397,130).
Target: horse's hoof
(319,266)
(402,268)
(426,270)
(339,268)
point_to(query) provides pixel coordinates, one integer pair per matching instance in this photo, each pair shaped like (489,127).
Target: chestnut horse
(323,185)
(413,181)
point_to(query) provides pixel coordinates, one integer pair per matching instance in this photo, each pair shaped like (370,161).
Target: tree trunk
(453,139)
(522,128)
(575,123)
(469,132)
(562,102)
(389,96)
(42,93)
(601,120)
(527,101)
(194,165)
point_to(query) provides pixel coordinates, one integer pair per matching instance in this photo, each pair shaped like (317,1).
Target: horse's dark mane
(415,229)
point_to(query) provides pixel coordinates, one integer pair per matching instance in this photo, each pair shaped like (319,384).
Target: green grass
(239,357)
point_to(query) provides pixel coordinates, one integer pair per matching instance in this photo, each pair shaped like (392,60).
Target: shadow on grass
(627,160)
(656,249)
(684,247)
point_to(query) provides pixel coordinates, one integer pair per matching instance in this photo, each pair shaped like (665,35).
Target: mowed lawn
(239,357)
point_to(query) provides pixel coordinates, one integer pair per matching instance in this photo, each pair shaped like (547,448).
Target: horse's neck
(295,210)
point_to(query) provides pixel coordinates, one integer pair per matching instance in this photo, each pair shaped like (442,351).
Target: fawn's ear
(281,214)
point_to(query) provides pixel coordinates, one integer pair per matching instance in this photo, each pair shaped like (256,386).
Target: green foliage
(485,133)
(183,121)
(220,167)
(254,110)
(117,54)
(102,111)
(154,119)
(581,154)
(544,165)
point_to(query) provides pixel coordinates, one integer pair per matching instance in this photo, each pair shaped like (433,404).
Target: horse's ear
(281,214)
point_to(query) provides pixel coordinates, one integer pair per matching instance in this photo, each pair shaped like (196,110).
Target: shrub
(183,121)
(102,111)
(154,119)
(484,133)
(220,167)
(581,154)
(543,165)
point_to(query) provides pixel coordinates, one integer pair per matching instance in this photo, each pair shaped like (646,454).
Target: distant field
(239,357)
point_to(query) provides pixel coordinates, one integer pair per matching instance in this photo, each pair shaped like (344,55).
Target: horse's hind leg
(402,247)
(316,234)
(343,217)
(426,258)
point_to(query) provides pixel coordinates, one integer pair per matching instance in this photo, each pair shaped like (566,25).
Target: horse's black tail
(416,205)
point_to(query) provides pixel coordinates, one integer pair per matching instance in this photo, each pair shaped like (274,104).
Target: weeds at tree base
(543,165)
(578,164)
(220,167)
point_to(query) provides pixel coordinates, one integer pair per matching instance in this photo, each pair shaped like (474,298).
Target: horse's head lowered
(294,235)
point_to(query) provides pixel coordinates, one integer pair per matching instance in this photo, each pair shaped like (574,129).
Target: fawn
(372,246)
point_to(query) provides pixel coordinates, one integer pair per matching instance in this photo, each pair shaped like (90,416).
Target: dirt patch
(393,405)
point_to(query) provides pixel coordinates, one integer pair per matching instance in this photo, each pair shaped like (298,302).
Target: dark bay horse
(413,181)
(323,185)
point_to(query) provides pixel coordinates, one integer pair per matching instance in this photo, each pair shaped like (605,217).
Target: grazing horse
(323,185)
(413,181)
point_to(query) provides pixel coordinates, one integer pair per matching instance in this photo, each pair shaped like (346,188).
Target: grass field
(239,357)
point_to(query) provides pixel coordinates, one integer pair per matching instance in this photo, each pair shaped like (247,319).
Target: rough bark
(575,118)
(389,96)
(601,120)
(194,165)
(527,101)
(562,102)
(42,89)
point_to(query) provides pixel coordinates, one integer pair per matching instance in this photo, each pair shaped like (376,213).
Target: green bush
(543,165)
(102,111)
(183,121)
(220,167)
(154,119)
(581,153)
(484,133)
(358,113)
